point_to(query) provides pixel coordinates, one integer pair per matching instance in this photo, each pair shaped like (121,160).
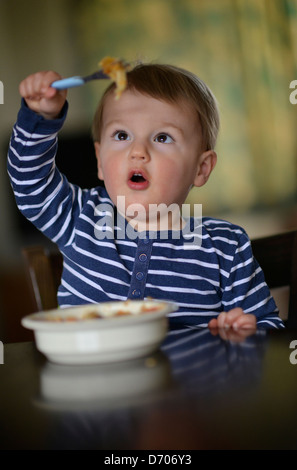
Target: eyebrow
(113,122)
(168,124)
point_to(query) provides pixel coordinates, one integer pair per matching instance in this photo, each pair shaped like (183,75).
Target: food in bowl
(100,311)
(100,333)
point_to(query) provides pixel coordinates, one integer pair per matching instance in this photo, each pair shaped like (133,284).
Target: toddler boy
(129,240)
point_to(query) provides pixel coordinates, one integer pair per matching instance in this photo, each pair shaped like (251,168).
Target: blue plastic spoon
(72,82)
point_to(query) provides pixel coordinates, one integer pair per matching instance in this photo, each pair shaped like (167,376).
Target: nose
(139,152)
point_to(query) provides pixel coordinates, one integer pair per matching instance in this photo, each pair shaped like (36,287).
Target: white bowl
(66,336)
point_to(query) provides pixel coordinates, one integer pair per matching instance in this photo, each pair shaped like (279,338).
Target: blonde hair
(171,84)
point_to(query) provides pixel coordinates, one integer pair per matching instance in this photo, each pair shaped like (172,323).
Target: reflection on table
(199,391)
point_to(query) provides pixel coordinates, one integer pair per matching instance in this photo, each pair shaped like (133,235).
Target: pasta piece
(116,70)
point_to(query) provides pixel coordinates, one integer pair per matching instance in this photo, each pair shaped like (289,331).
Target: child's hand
(235,318)
(39,95)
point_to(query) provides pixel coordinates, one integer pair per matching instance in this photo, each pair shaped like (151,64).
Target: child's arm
(245,297)
(42,193)
(40,97)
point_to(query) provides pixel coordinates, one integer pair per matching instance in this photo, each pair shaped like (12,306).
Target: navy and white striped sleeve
(246,287)
(42,193)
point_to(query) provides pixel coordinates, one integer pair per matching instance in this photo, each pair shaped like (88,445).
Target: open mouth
(137,180)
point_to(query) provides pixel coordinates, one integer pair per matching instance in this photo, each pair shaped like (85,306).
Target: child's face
(150,150)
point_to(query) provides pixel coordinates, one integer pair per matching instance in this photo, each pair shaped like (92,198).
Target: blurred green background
(245,50)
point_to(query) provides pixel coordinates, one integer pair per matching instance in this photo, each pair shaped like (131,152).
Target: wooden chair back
(277,256)
(44,271)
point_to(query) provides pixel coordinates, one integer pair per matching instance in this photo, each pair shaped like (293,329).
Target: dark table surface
(199,391)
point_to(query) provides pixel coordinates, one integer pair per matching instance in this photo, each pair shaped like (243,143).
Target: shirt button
(139,276)
(143,257)
(136,293)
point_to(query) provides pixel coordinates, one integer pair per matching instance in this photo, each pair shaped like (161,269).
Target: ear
(99,167)
(206,163)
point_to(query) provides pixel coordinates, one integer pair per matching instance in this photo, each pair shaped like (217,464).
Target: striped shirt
(206,270)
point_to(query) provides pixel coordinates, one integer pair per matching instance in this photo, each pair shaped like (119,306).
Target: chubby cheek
(106,169)
(113,179)
(175,179)
(99,168)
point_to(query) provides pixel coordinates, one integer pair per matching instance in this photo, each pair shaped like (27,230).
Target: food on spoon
(116,69)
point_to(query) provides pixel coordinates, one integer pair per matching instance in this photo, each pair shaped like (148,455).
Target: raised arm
(42,193)
(40,97)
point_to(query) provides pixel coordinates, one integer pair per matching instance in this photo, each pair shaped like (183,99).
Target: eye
(121,135)
(163,138)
